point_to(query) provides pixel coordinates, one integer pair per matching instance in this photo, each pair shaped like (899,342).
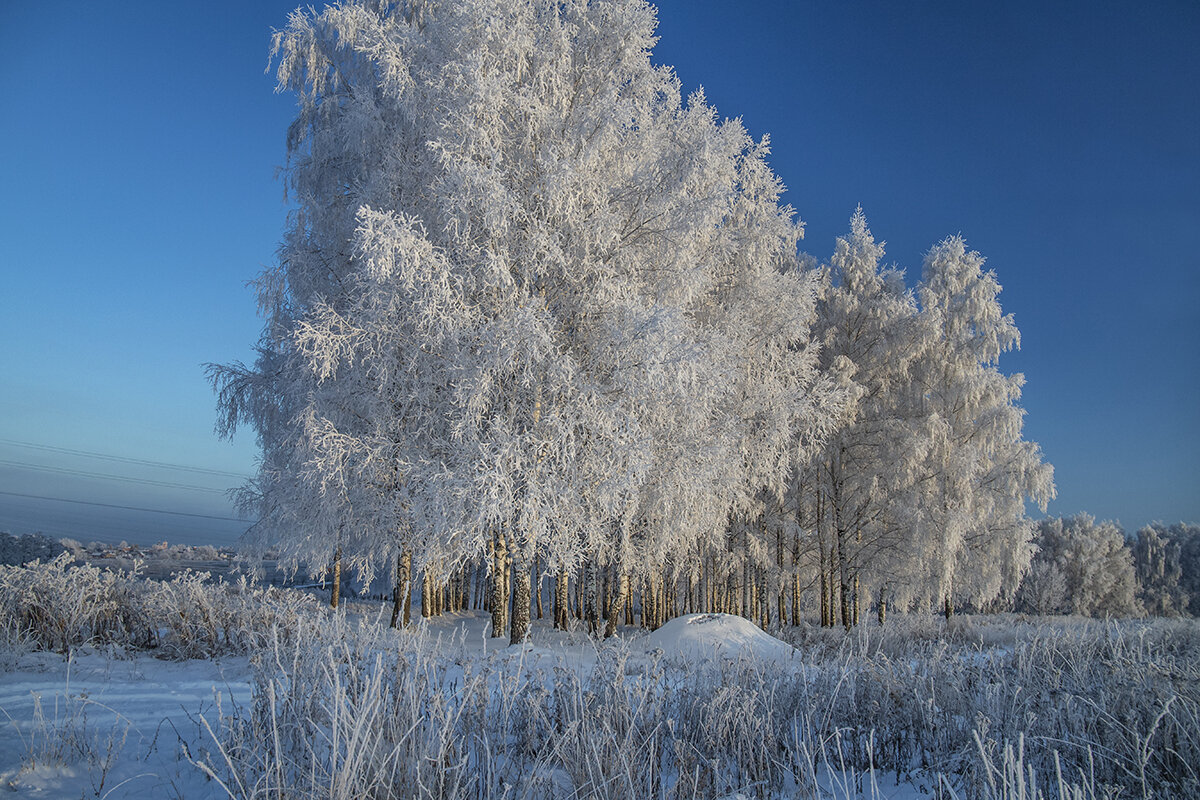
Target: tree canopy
(534,304)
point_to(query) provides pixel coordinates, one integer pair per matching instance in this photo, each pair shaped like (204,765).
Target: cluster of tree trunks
(601,597)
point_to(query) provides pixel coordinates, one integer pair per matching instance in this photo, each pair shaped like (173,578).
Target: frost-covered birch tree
(865,476)
(972,531)
(529,297)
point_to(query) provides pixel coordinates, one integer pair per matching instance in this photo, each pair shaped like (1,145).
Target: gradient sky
(141,143)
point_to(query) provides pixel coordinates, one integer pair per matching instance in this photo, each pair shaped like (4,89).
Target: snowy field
(105,725)
(262,693)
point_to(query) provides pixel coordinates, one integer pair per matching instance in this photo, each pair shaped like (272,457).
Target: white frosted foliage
(527,287)
(973,531)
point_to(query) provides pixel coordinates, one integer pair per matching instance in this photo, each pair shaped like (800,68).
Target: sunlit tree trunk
(429,600)
(499,599)
(402,593)
(520,600)
(509,551)
(618,605)
(336,592)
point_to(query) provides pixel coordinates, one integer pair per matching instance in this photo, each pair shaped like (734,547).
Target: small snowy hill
(718,637)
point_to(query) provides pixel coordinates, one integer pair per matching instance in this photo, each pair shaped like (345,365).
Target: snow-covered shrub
(58,605)
(197,617)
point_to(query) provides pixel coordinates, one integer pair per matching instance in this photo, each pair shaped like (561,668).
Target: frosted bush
(58,605)
(55,604)
(198,617)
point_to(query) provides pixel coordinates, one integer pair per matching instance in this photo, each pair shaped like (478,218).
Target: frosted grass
(1071,711)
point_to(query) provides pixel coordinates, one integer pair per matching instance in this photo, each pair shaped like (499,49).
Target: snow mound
(718,637)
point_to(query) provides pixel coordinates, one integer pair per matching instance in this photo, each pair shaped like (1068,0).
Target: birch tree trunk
(560,598)
(589,597)
(408,593)
(578,598)
(336,591)
(402,592)
(796,580)
(857,586)
(429,594)
(618,605)
(520,600)
(499,599)
(660,600)
(628,601)
(825,561)
(855,604)
(647,604)
(509,550)
(782,605)
(844,587)
(537,584)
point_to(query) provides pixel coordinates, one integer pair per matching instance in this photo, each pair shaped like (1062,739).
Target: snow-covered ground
(101,725)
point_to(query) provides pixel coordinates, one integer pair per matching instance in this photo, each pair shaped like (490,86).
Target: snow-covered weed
(197,617)
(1009,776)
(1116,702)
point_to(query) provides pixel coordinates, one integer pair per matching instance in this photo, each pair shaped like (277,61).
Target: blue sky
(1062,140)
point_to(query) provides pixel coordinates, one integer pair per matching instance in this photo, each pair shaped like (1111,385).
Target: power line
(78,473)
(123,459)
(124,508)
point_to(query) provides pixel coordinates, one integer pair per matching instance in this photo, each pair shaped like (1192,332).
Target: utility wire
(78,473)
(122,459)
(124,508)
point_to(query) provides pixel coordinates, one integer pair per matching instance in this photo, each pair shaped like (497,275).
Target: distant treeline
(25,548)
(1094,569)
